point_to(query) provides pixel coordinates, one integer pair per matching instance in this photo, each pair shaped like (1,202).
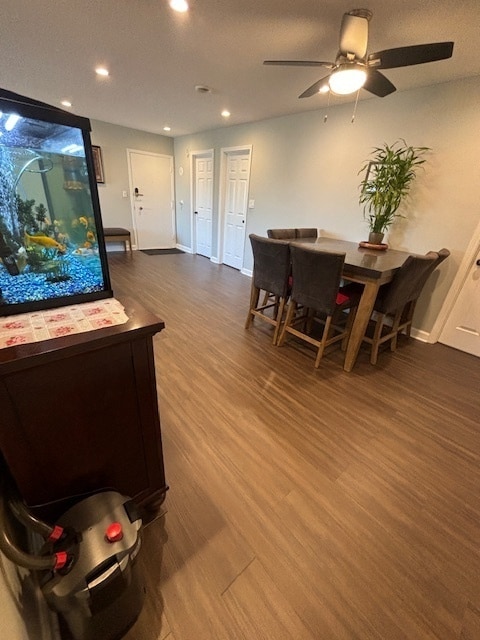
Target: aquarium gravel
(85,277)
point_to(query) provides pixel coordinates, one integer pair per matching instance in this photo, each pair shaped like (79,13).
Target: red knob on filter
(61,559)
(55,534)
(114,532)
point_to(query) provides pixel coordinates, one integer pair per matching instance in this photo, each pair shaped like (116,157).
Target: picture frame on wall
(98,164)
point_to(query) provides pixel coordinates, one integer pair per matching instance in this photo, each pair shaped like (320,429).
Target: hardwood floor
(303,504)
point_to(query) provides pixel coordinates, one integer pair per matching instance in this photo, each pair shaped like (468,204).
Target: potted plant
(388,176)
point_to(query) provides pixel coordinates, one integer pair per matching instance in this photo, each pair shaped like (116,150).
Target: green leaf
(388,176)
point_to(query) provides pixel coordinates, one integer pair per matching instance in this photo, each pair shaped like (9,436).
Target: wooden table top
(370,263)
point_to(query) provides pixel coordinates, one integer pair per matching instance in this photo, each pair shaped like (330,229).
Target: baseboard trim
(183,248)
(247,272)
(418,334)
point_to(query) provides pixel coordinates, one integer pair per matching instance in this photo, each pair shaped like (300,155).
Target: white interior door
(151,186)
(203,199)
(236,201)
(462,328)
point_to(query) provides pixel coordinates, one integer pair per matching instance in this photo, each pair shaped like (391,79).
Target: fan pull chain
(325,117)
(355,108)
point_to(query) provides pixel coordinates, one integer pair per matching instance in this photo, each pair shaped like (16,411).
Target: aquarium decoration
(52,250)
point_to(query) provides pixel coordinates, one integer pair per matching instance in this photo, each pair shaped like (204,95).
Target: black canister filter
(102,594)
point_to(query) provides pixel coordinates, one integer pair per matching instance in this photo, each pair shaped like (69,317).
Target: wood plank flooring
(303,504)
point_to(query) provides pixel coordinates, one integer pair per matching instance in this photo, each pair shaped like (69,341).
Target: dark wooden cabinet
(80,414)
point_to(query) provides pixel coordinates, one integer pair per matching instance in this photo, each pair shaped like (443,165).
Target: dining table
(370,267)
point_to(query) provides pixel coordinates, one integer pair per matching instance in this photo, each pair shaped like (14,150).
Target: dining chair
(396,300)
(316,298)
(271,274)
(281,234)
(409,309)
(306,233)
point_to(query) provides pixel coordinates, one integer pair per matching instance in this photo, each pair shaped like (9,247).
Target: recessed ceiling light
(66,103)
(167,128)
(179,5)
(101,71)
(225,113)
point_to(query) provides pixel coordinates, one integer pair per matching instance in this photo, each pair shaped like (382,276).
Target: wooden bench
(118,234)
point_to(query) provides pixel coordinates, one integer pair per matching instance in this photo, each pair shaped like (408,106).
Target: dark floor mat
(160,252)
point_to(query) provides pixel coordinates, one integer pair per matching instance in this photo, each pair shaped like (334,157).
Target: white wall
(10,608)
(305,173)
(114,142)
(24,613)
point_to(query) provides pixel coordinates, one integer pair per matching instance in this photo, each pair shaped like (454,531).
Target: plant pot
(375,238)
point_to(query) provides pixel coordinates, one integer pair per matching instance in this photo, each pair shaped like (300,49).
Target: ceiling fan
(354,69)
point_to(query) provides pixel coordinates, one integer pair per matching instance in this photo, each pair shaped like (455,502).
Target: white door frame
(205,153)
(457,285)
(224,152)
(131,186)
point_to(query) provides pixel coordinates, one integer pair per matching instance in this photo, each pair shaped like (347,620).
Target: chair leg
(277,305)
(396,323)
(321,348)
(376,339)
(409,317)
(279,316)
(309,320)
(348,327)
(254,296)
(288,321)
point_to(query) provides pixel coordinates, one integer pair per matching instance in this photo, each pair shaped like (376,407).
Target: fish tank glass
(52,251)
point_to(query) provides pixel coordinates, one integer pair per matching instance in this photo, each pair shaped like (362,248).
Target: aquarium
(52,250)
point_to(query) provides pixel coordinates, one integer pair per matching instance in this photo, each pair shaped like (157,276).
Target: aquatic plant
(58,272)
(35,258)
(25,214)
(41,214)
(50,253)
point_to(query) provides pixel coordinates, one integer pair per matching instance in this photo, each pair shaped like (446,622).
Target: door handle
(196,213)
(137,193)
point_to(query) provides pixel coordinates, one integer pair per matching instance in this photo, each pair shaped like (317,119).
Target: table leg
(360,324)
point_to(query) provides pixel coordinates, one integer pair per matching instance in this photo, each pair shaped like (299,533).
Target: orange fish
(83,221)
(45,241)
(90,236)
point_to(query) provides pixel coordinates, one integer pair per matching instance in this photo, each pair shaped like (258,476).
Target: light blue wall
(305,173)
(114,142)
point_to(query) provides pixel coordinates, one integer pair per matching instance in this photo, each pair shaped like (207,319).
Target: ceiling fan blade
(300,63)
(354,32)
(311,91)
(378,84)
(408,56)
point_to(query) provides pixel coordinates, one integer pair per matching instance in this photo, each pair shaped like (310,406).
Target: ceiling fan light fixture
(179,5)
(347,78)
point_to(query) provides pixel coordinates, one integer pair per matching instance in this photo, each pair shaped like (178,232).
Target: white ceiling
(49,49)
